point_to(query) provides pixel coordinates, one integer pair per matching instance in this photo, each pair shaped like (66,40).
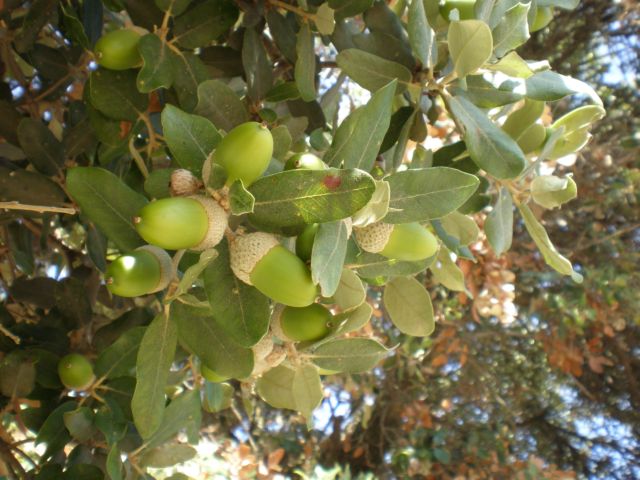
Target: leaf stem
(291,8)
(138,158)
(14,205)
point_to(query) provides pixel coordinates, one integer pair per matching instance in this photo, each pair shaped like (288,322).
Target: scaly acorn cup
(245,152)
(183,183)
(118,50)
(306,324)
(195,222)
(405,241)
(305,161)
(258,259)
(146,270)
(76,372)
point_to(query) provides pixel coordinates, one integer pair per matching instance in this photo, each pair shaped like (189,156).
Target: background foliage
(527,374)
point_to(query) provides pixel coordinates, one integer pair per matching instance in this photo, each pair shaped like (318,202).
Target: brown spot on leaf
(332,182)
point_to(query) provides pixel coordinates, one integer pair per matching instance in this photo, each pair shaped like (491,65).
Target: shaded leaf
(305,67)
(219,103)
(41,147)
(359,137)
(119,358)
(116,95)
(549,252)
(190,138)
(296,197)
(327,258)
(257,66)
(239,309)
(499,224)
(205,22)
(202,335)
(489,147)
(425,193)
(154,360)
(409,306)
(373,72)
(108,202)
(158,64)
(351,355)
(470,45)
(306,389)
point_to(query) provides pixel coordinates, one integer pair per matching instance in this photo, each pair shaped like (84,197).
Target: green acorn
(195,222)
(306,324)
(544,15)
(245,152)
(405,241)
(146,270)
(76,372)
(118,50)
(211,375)
(305,161)
(304,241)
(465,8)
(258,259)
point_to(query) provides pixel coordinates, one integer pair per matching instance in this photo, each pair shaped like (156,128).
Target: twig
(13,337)
(14,205)
(291,8)
(138,158)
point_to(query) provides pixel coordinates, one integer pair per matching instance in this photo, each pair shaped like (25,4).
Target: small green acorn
(305,161)
(405,241)
(76,372)
(258,259)
(304,241)
(146,270)
(245,152)
(464,7)
(211,375)
(118,50)
(306,324)
(544,15)
(195,222)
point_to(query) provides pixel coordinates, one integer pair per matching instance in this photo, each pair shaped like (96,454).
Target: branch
(14,205)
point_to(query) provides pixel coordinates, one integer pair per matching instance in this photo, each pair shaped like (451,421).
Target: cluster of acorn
(193,221)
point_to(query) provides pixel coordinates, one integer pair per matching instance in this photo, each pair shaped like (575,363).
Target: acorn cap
(276,328)
(263,347)
(167,271)
(183,182)
(218,221)
(374,237)
(247,250)
(349,224)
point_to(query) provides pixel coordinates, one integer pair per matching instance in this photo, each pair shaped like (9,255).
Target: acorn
(258,259)
(146,270)
(305,161)
(118,50)
(211,375)
(76,372)
(304,241)
(404,241)
(544,15)
(306,324)
(183,183)
(196,222)
(245,152)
